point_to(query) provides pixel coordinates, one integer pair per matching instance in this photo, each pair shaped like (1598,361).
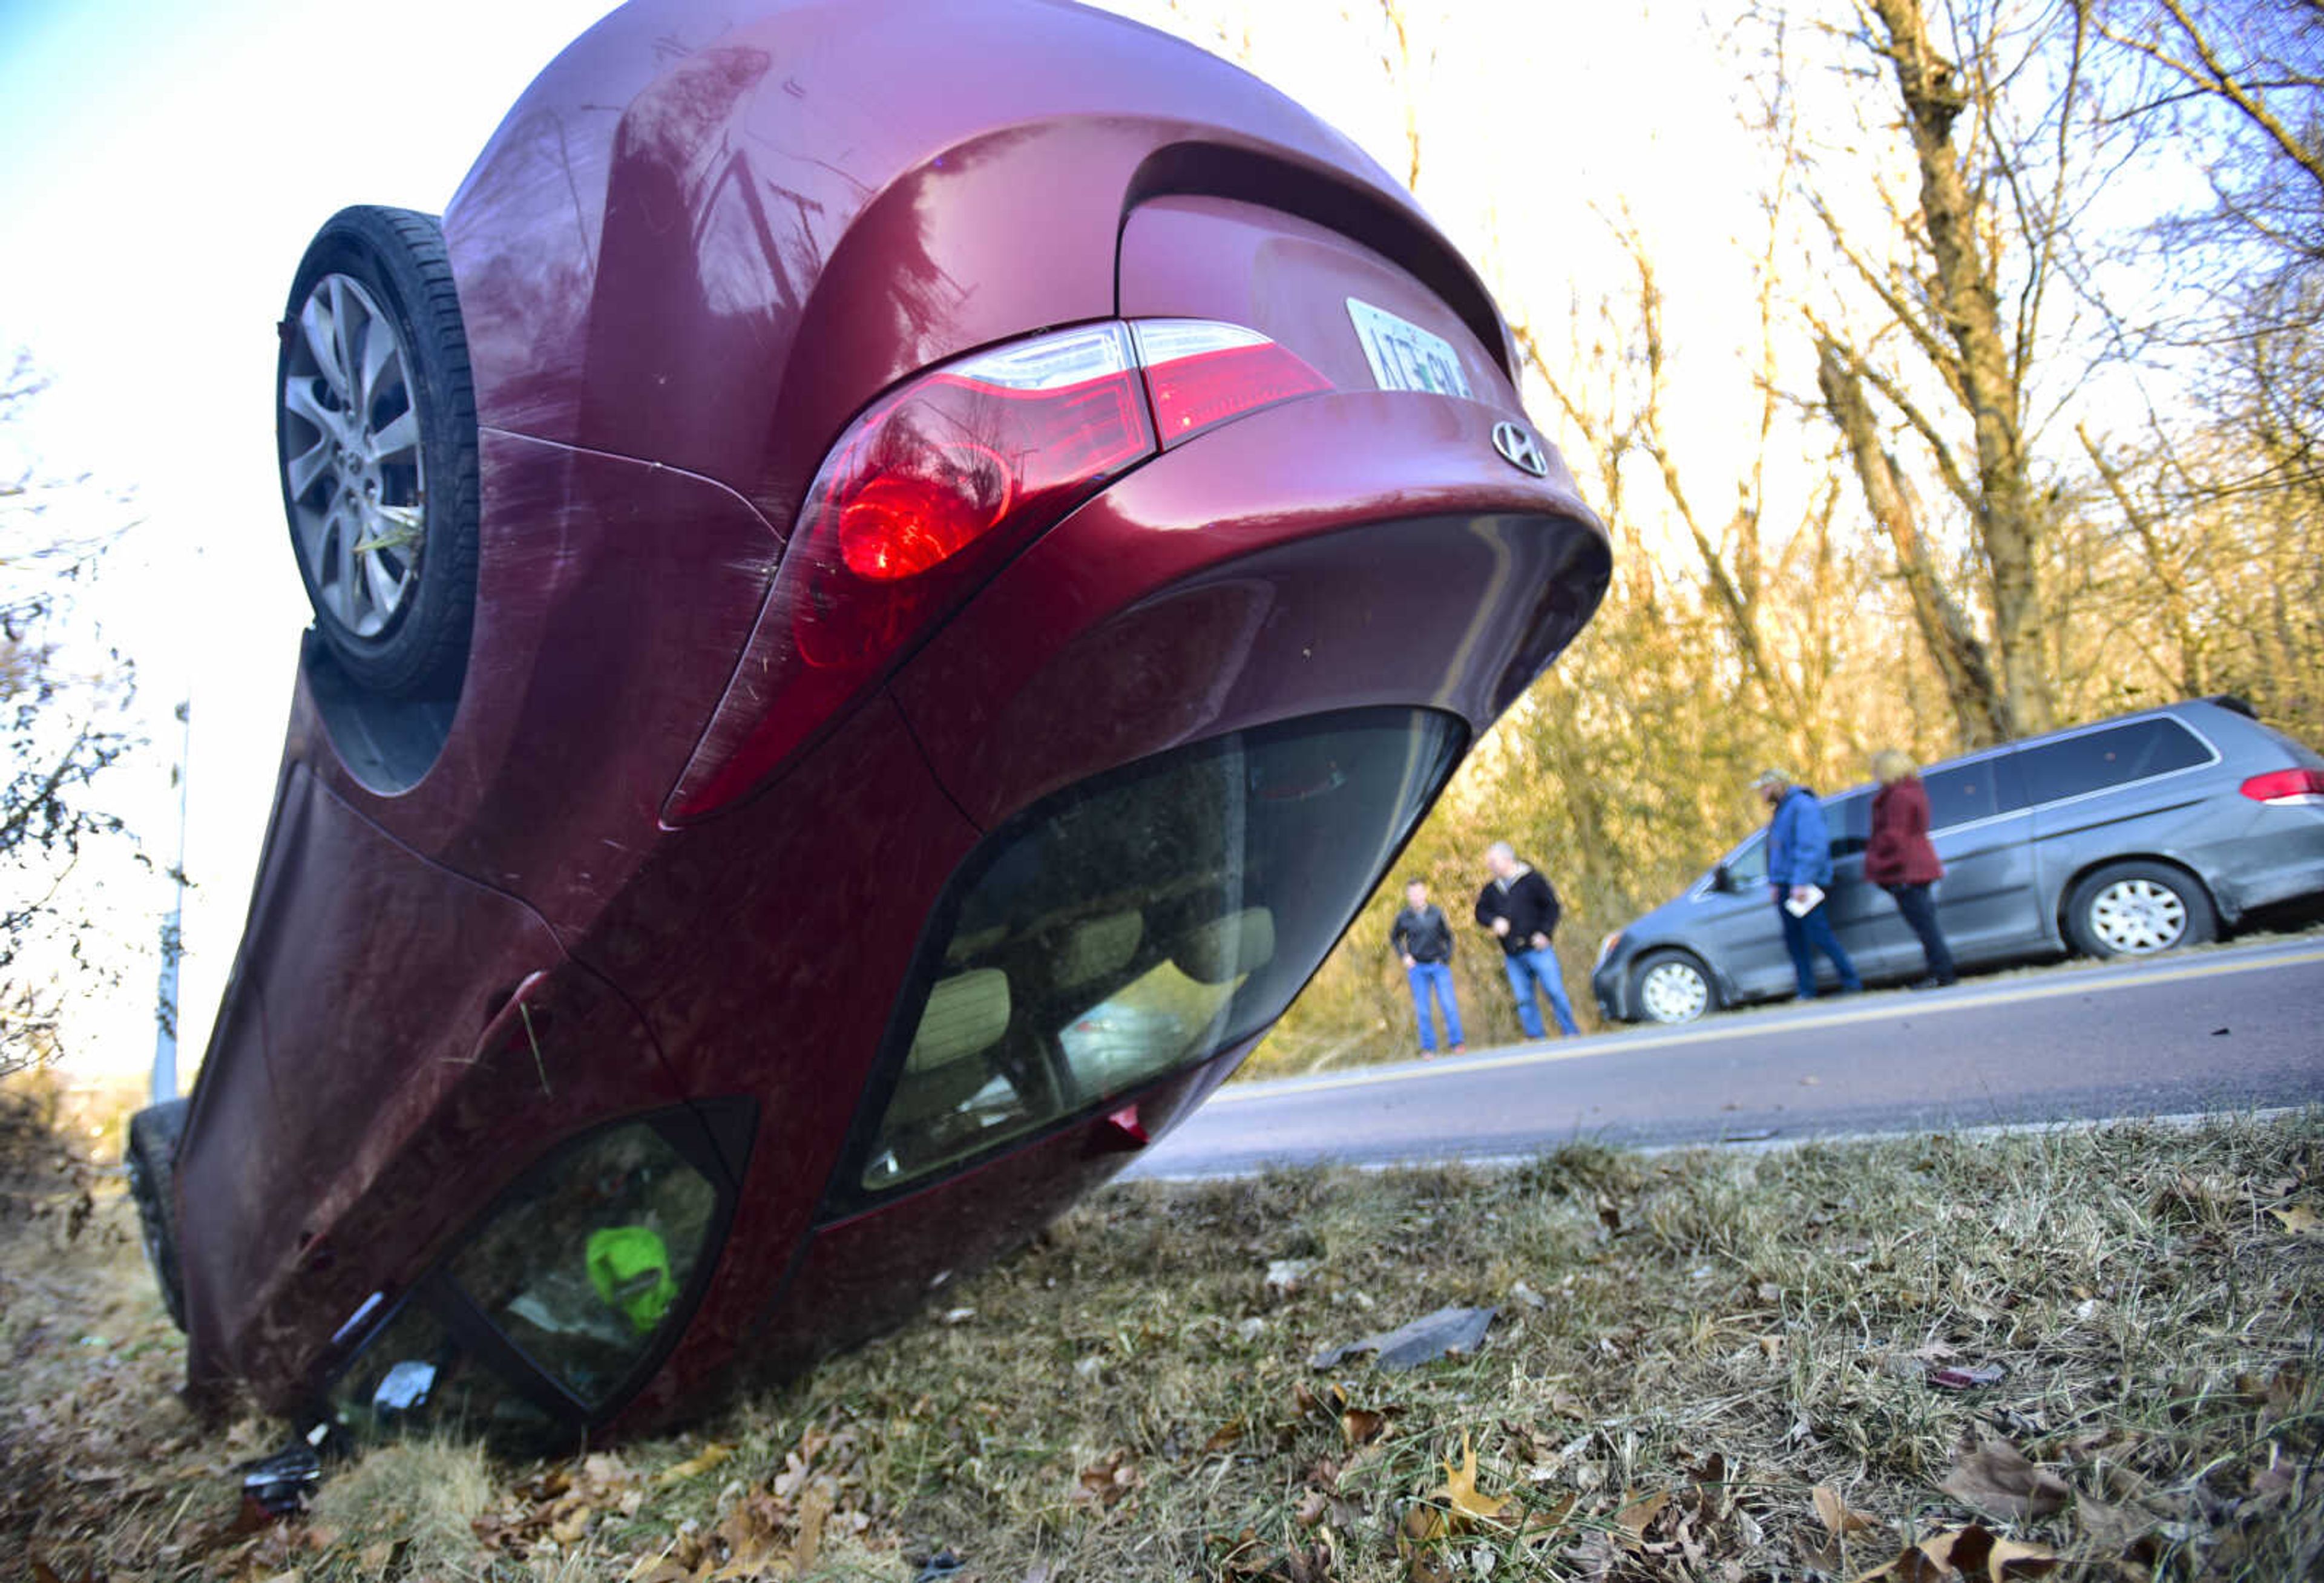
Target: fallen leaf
(1997,1478)
(1361,1426)
(1976,1549)
(815,1510)
(1106,1482)
(1312,1509)
(1462,1492)
(696,1466)
(752,1534)
(1835,1514)
(2300,1219)
(1965,1553)
(2113,1529)
(1224,1438)
(1638,1513)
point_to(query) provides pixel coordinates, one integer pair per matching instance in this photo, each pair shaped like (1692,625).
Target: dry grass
(1130,1398)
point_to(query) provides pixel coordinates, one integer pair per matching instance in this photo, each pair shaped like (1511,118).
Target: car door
(1988,904)
(1861,914)
(1735,927)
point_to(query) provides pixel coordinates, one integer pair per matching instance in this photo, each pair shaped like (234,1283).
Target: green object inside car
(630,1267)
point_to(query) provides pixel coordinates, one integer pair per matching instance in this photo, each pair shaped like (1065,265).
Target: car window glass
(1848,822)
(1748,866)
(1962,794)
(2008,783)
(1120,930)
(412,1375)
(2095,760)
(582,1265)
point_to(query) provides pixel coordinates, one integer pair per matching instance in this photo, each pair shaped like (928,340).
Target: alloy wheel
(352,455)
(2134,917)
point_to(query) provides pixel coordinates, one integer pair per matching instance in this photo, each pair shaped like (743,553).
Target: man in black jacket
(1520,908)
(1422,941)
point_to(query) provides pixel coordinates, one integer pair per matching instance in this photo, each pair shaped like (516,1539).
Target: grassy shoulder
(2101,1344)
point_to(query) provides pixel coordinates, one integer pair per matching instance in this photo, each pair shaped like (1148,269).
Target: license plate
(1405,357)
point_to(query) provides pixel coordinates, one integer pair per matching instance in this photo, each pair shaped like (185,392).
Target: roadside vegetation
(2005,413)
(2091,1349)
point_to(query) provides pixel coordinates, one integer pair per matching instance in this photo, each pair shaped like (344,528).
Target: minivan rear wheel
(1673,987)
(2137,909)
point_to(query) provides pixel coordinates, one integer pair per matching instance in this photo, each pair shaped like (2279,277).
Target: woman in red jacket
(1901,861)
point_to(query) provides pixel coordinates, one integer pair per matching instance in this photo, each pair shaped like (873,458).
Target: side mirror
(1721,880)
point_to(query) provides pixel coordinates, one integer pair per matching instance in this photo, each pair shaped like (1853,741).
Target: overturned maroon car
(886,582)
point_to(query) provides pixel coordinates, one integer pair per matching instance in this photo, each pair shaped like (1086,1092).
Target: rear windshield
(1143,922)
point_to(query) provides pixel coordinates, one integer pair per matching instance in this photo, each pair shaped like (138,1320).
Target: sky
(162,166)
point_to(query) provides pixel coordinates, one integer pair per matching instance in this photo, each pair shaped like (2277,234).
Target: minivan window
(2097,760)
(1849,821)
(1748,866)
(1962,796)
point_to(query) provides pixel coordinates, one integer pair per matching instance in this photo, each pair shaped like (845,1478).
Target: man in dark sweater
(1422,941)
(1520,908)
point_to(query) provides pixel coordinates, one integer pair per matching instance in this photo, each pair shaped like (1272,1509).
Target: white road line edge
(2183,1120)
(2073,984)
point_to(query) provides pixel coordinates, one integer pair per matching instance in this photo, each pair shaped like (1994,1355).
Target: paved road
(2237,1028)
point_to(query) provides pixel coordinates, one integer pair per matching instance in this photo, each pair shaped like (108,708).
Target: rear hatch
(1356,318)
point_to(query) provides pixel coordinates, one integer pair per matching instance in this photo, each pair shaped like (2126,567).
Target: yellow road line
(2076,983)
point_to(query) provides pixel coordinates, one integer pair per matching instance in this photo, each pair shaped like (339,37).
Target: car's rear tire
(1673,987)
(151,1159)
(2137,909)
(375,444)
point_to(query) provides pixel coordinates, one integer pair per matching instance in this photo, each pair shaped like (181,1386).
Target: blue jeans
(1434,978)
(1539,966)
(1919,910)
(1814,930)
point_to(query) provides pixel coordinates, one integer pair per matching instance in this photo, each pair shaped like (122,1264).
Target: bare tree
(2240,87)
(60,718)
(1982,205)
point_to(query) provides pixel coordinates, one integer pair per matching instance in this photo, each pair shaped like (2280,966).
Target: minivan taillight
(2281,787)
(937,483)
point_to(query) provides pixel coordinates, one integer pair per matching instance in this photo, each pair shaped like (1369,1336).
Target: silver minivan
(2119,839)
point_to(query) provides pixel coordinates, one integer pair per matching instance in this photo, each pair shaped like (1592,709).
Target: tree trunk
(2008,512)
(1980,710)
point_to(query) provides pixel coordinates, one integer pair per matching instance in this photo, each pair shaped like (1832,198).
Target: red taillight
(920,494)
(897,526)
(1200,374)
(2286,786)
(934,486)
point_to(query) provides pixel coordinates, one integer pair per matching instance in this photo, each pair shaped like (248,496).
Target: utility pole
(165,1007)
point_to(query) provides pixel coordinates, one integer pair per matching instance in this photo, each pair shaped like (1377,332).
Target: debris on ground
(1450,1331)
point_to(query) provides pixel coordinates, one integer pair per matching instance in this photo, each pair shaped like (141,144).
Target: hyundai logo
(1520,450)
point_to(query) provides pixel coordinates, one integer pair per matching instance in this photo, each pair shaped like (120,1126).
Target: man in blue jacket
(1799,871)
